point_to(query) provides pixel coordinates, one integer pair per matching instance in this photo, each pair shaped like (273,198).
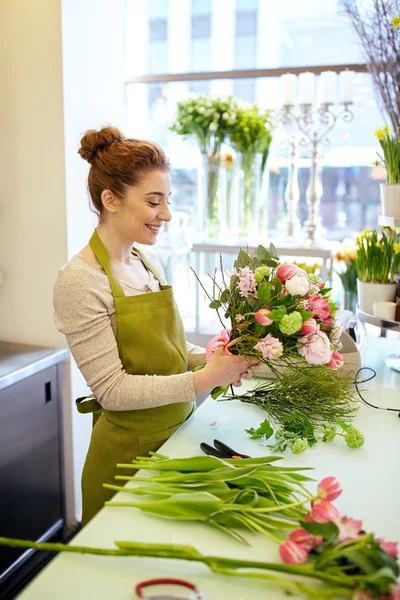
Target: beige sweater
(84,311)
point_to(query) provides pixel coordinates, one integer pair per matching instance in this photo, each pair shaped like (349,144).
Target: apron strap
(87,404)
(100,252)
(148,265)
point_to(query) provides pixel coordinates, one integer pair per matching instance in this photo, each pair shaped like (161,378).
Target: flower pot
(369,292)
(390,199)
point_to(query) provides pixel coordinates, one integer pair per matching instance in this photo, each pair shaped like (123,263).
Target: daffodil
(396,22)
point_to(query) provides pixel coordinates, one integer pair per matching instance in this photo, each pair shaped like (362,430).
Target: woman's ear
(110,201)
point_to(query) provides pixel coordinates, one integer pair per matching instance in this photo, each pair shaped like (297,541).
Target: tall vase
(210,196)
(252,207)
(350,300)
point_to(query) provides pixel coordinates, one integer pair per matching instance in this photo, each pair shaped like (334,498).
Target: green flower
(396,22)
(291,323)
(354,438)
(299,446)
(329,433)
(315,279)
(260,273)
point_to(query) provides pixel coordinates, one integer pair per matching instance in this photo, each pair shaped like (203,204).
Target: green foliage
(378,255)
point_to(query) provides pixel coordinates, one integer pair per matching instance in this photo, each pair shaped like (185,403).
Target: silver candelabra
(314,125)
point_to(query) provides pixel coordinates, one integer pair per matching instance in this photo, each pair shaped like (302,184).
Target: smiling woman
(120,318)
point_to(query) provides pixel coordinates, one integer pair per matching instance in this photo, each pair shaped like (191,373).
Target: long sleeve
(83,311)
(196,356)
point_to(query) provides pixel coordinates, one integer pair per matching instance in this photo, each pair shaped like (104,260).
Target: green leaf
(242,260)
(219,391)
(262,253)
(215,304)
(225,296)
(276,284)
(325,291)
(305,314)
(264,292)
(329,531)
(342,424)
(277,313)
(273,251)
(264,430)
(299,424)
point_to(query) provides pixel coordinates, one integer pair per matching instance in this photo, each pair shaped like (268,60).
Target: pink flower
(327,323)
(297,286)
(319,306)
(309,327)
(329,488)
(270,347)
(292,554)
(315,348)
(239,318)
(336,362)
(388,547)
(285,272)
(324,511)
(349,529)
(220,340)
(261,317)
(394,592)
(303,538)
(246,284)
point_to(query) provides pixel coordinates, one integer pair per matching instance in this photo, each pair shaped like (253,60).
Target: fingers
(247,375)
(237,383)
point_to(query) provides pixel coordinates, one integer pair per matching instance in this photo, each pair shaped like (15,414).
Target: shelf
(378,321)
(389,221)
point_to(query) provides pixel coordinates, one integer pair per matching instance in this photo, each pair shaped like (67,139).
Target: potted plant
(377,262)
(390,191)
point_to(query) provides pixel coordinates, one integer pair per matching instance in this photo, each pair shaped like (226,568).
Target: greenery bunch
(390,145)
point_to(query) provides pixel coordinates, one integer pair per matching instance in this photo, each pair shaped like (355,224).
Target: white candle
(346,87)
(306,88)
(287,89)
(327,88)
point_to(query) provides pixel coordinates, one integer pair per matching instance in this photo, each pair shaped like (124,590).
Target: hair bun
(93,141)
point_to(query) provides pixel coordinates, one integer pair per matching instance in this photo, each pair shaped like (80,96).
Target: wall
(61,70)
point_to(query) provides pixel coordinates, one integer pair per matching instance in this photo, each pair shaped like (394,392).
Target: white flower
(190,109)
(217,116)
(336,333)
(213,127)
(225,116)
(297,286)
(201,109)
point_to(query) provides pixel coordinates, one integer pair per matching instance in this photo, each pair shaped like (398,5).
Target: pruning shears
(221,450)
(193,594)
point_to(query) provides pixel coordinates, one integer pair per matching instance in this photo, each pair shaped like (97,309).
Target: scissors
(194,593)
(221,450)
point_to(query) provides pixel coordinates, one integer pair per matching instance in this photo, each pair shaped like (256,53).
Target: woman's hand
(222,370)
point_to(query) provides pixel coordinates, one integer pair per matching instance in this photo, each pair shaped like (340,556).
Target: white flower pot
(369,292)
(390,199)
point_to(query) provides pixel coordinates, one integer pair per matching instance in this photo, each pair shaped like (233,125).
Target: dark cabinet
(31,488)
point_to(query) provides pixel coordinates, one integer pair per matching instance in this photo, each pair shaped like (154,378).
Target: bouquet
(391,154)
(283,316)
(378,255)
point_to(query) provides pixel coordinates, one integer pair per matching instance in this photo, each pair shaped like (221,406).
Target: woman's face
(145,208)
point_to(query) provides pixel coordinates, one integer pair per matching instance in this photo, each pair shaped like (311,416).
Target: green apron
(151,341)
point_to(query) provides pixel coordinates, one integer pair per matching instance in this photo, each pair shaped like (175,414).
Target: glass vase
(252,196)
(210,195)
(350,300)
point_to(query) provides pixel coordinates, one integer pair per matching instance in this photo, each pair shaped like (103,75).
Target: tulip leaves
(231,494)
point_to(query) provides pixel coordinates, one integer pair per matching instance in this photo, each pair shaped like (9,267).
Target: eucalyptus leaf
(215,304)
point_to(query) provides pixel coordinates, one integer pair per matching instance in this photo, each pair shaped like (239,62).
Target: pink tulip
(336,362)
(388,547)
(303,538)
(327,323)
(292,554)
(261,317)
(329,488)
(319,306)
(349,529)
(285,272)
(315,348)
(323,512)
(309,327)
(219,341)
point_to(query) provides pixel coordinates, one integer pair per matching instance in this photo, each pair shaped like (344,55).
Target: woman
(121,321)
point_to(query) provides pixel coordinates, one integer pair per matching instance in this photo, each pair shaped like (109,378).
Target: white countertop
(369,477)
